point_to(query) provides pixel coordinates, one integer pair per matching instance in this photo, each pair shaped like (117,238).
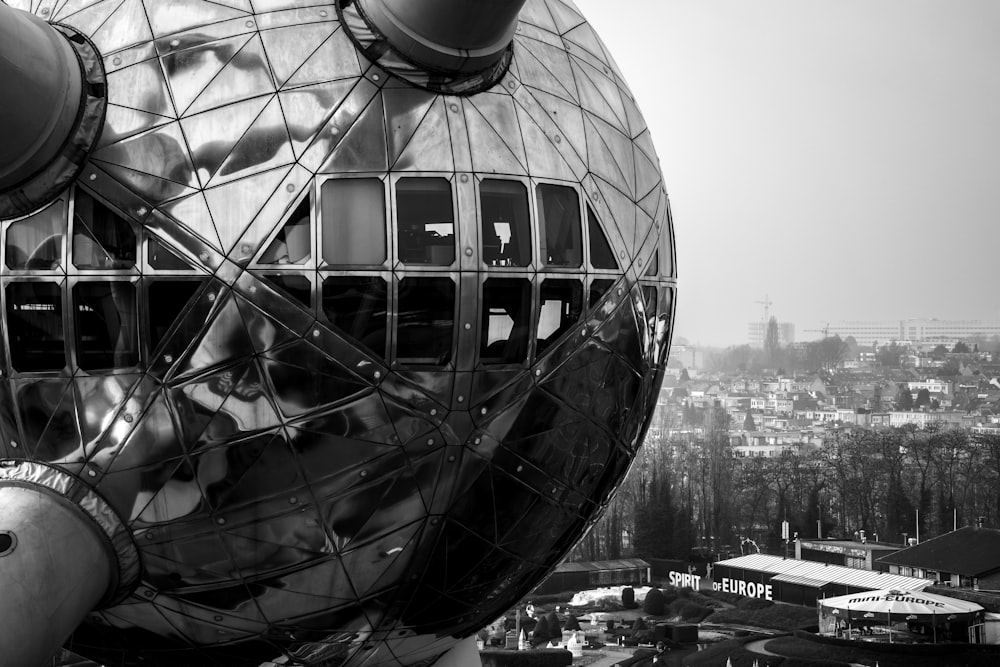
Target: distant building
(866,333)
(968,557)
(756,332)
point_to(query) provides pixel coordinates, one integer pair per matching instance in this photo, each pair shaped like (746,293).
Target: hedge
(540,657)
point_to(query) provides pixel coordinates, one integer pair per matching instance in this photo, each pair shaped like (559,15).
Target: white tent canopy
(900,604)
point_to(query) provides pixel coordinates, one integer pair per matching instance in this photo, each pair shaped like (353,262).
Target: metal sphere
(350,353)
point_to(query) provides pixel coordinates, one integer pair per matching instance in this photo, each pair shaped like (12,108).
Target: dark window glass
(295,286)
(599,288)
(559,218)
(167,299)
(601,254)
(506,320)
(506,223)
(106,324)
(353,221)
(426,221)
(426,320)
(163,258)
(654,264)
(357,306)
(102,239)
(560,308)
(35,326)
(293,244)
(36,242)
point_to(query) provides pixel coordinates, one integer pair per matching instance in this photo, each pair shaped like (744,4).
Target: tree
(923,398)
(772,342)
(654,604)
(904,399)
(748,423)
(939,351)
(960,348)
(684,375)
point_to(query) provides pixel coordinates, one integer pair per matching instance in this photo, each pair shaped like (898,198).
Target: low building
(858,555)
(968,557)
(583,575)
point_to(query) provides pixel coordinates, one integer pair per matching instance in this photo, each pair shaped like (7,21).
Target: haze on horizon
(841,157)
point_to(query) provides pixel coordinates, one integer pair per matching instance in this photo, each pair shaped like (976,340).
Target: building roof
(969,551)
(601,565)
(796,571)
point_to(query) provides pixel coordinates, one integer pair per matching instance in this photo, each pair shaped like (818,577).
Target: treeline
(695,494)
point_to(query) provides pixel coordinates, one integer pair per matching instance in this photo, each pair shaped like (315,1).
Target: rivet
(464,178)
(619,291)
(290,187)
(315,333)
(468,326)
(92,472)
(45,12)
(468,252)
(640,262)
(451,458)
(249,24)
(376,77)
(13,444)
(483,411)
(478,440)
(142,210)
(519,468)
(512,85)
(453,106)
(220,521)
(211,298)
(169,358)
(461,399)
(622,254)
(538,371)
(149,594)
(116,61)
(128,418)
(435,521)
(364,473)
(149,536)
(430,442)
(253,289)
(203,256)
(378,374)
(175,43)
(583,332)
(323,13)
(293,500)
(433,411)
(594,195)
(218,619)
(245,248)
(558,139)
(93,177)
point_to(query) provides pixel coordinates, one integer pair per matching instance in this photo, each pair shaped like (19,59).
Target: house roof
(969,551)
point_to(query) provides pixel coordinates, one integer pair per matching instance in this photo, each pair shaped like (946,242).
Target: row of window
(106,317)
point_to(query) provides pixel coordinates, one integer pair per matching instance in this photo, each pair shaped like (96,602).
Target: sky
(840,157)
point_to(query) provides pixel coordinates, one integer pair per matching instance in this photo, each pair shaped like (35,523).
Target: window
(161,257)
(357,306)
(36,242)
(353,222)
(601,254)
(101,238)
(599,288)
(426,320)
(425,221)
(35,326)
(293,244)
(296,286)
(506,321)
(559,222)
(560,308)
(170,296)
(506,223)
(106,324)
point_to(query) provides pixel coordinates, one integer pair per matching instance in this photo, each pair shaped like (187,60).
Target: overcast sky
(840,156)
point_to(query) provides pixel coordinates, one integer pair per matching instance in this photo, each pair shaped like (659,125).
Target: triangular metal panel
(636,122)
(215,133)
(126,27)
(546,67)
(161,153)
(364,147)
(64,9)
(154,188)
(404,111)
(289,47)
(224,339)
(567,116)
(167,18)
(308,108)
(622,209)
(610,154)
(234,205)
(429,148)
(190,71)
(246,75)
(51,426)
(192,212)
(266,333)
(584,36)
(147,77)
(89,19)
(544,157)
(647,175)
(336,58)
(599,94)
(120,123)
(536,12)
(566,17)
(305,380)
(496,120)
(249,155)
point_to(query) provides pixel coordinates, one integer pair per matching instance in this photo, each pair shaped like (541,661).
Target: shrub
(541,634)
(542,657)
(572,623)
(628,598)
(653,604)
(554,627)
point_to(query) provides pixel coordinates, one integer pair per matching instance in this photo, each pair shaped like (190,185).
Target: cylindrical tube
(41,80)
(456,36)
(55,566)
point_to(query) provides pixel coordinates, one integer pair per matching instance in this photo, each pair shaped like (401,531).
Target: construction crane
(767,303)
(825,330)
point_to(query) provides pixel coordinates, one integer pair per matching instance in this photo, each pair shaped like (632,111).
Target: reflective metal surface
(336,445)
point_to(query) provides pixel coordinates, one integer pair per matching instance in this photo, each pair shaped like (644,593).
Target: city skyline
(837,157)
